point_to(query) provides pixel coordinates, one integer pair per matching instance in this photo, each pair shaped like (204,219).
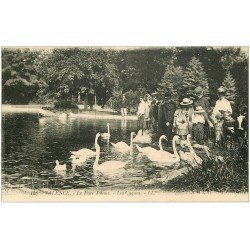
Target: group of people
(193,115)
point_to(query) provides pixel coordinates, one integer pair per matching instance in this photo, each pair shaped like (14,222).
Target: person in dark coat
(153,112)
(166,110)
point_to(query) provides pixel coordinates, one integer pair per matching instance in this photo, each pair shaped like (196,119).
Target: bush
(65,104)
(228,176)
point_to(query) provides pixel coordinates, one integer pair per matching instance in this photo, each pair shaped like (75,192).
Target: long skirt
(199,133)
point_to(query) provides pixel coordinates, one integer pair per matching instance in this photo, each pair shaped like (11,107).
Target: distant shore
(97,113)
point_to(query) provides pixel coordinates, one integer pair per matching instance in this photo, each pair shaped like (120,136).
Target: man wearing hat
(153,112)
(222,103)
(166,111)
(221,108)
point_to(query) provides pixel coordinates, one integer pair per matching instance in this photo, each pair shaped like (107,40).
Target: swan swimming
(146,137)
(106,135)
(77,161)
(123,146)
(59,167)
(85,152)
(108,165)
(150,150)
(164,156)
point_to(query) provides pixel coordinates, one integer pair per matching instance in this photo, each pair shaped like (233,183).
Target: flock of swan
(156,155)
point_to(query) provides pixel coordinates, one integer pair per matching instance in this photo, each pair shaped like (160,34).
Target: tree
(80,72)
(172,82)
(20,78)
(229,84)
(19,91)
(195,76)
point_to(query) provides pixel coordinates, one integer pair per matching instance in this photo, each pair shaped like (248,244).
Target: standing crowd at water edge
(193,114)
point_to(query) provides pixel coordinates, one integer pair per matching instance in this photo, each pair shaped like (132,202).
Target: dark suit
(166,111)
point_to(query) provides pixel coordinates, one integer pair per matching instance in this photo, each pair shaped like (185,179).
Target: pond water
(31,145)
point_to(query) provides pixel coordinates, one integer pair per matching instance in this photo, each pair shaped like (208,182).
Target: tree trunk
(86,102)
(79,97)
(91,102)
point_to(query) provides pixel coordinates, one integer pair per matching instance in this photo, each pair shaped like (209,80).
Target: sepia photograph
(143,124)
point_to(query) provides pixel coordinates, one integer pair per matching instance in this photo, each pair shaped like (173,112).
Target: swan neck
(160,143)
(131,141)
(97,156)
(174,147)
(95,140)
(108,129)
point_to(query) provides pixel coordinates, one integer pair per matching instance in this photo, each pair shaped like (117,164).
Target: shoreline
(95,114)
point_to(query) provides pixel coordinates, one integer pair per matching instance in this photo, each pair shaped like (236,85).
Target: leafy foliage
(229,84)
(66,74)
(19,75)
(172,82)
(65,104)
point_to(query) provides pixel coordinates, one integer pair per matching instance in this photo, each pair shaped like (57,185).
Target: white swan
(108,165)
(150,150)
(59,167)
(164,156)
(77,161)
(123,146)
(146,137)
(84,152)
(106,135)
(196,158)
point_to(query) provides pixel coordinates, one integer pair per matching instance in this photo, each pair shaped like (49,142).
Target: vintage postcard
(124,124)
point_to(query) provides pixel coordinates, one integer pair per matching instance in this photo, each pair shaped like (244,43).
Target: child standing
(182,119)
(198,120)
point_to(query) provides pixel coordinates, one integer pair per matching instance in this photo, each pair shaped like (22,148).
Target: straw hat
(186,102)
(199,109)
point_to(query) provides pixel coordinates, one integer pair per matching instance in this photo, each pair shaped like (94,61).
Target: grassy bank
(227,174)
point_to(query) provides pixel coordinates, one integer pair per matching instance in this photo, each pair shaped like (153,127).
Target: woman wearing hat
(202,101)
(198,120)
(182,119)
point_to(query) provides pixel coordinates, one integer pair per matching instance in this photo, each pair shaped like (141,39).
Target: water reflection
(31,145)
